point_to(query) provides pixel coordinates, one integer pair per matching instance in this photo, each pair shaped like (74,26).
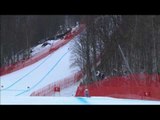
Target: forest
(125,44)
(21,32)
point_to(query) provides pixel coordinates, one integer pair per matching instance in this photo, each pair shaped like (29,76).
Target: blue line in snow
(44,76)
(13,90)
(24,75)
(83,100)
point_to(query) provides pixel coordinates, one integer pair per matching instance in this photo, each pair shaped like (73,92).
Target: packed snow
(39,48)
(16,87)
(73,101)
(70,91)
(54,67)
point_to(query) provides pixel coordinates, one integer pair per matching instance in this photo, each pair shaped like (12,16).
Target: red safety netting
(24,63)
(137,86)
(57,86)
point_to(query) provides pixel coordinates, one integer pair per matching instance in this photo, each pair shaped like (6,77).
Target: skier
(86,93)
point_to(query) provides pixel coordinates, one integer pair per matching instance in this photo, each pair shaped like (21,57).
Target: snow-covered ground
(16,87)
(73,101)
(70,91)
(39,48)
(55,66)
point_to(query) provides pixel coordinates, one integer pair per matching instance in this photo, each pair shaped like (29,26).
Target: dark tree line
(18,33)
(126,44)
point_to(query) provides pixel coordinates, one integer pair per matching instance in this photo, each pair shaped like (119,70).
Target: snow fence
(50,89)
(136,86)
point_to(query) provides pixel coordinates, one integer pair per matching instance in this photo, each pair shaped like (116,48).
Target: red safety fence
(137,86)
(24,63)
(50,89)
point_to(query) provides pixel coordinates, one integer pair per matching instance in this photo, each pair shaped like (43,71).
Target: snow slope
(39,48)
(73,101)
(54,67)
(70,91)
